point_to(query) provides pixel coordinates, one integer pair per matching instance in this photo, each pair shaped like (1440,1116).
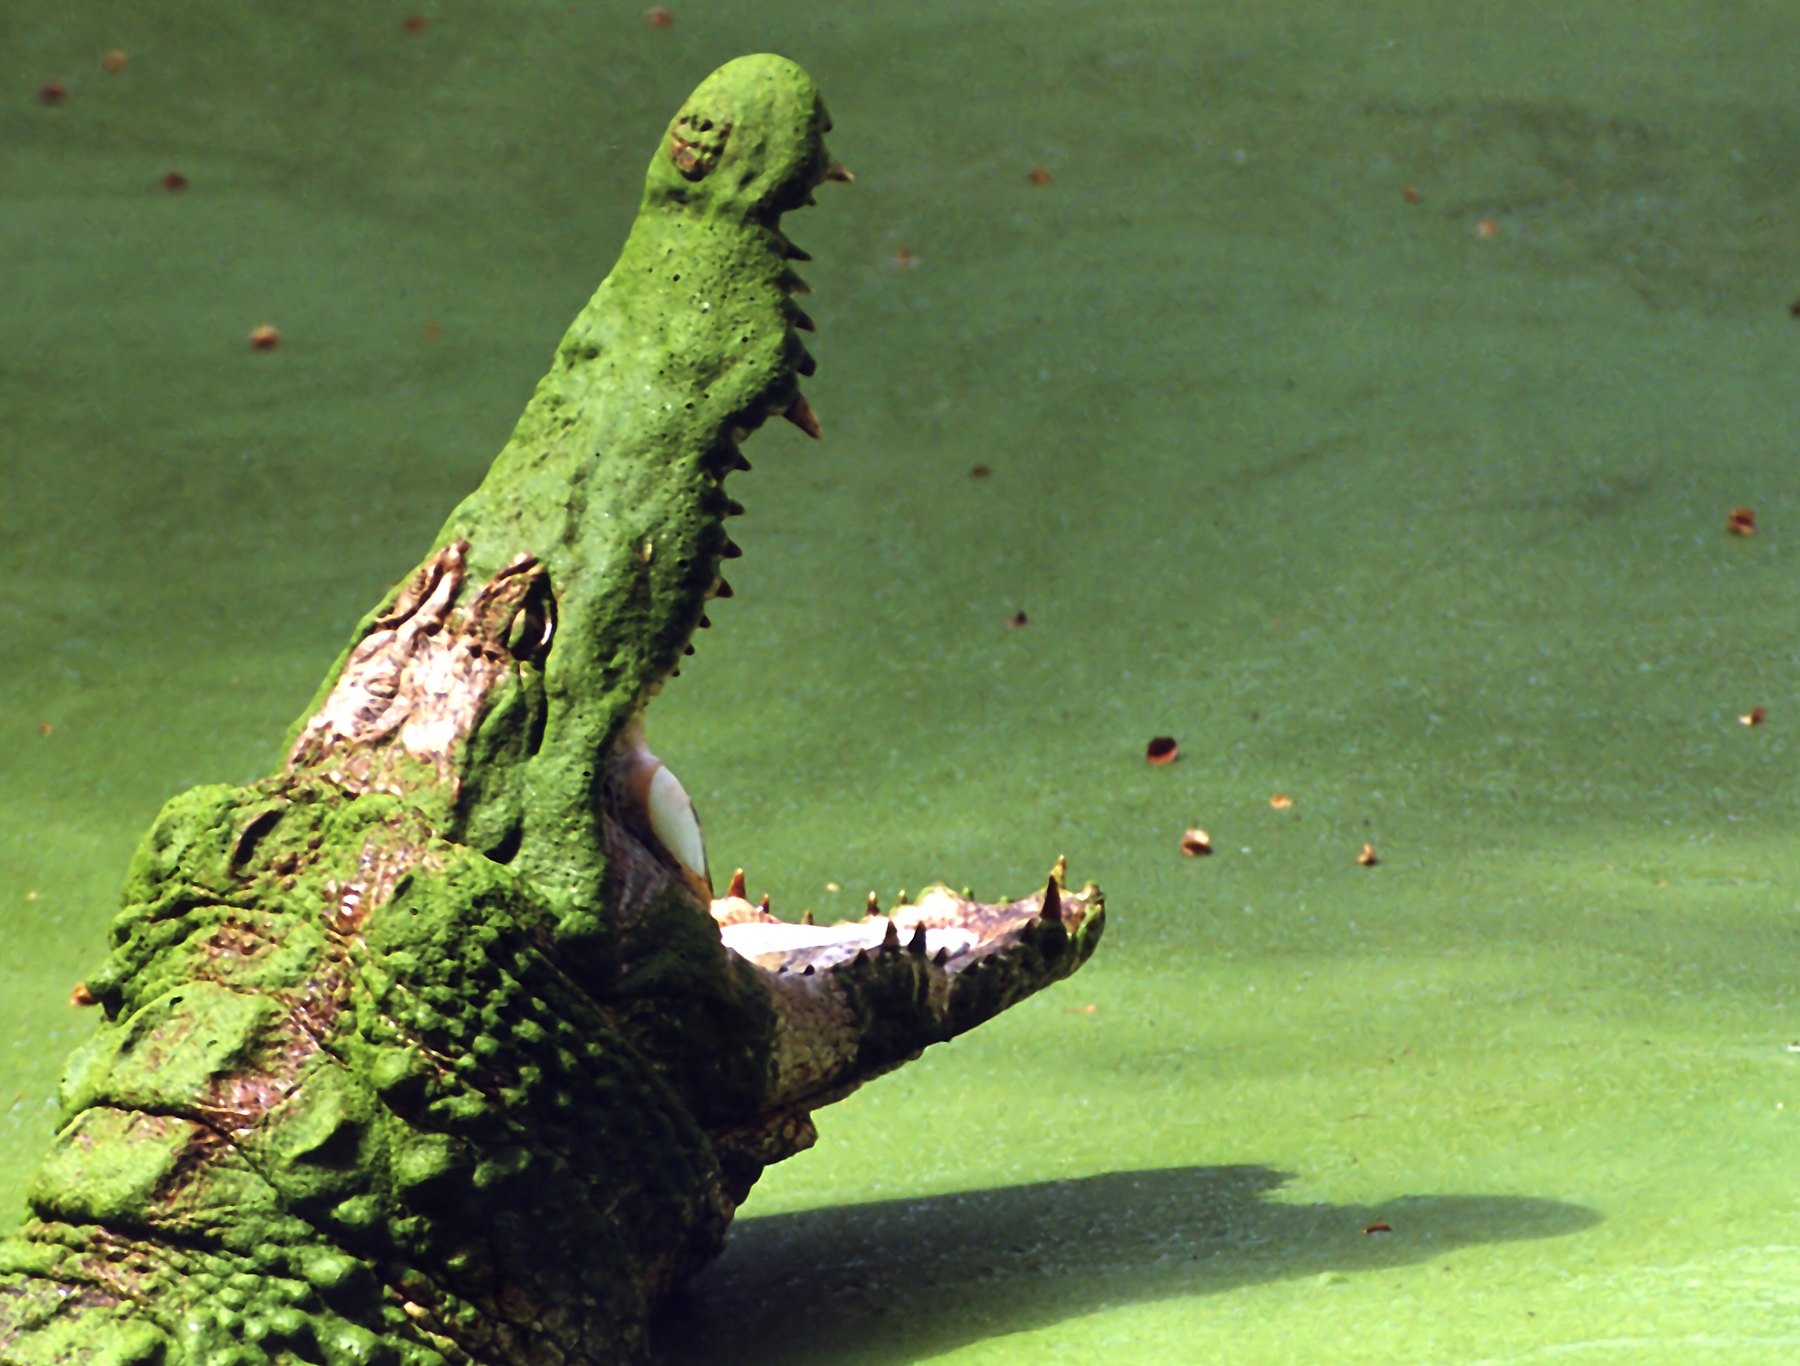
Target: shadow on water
(904,1279)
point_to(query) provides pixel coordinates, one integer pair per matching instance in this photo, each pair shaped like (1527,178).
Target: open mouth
(655,843)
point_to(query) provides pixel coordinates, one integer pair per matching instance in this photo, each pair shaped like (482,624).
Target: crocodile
(438,1047)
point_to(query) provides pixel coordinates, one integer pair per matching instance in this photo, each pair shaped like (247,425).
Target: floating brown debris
(113,62)
(1018,619)
(53,92)
(658,17)
(265,338)
(839,172)
(905,259)
(1039,176)
(1367,857)
(1754,717)
(1379,1226)
(1281,802)
(81,996)
(1741,522)
(45,727)
(413,23)
(1196,843)
(1411,194)
(1488,228)
(979,471)
(1162,750)
(174,182)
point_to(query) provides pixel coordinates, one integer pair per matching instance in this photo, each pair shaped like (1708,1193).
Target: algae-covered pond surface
(1413,512)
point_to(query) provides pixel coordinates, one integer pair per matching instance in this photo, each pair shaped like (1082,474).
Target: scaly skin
(436,1046)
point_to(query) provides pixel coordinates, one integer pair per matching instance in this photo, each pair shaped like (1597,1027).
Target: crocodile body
(437,1046)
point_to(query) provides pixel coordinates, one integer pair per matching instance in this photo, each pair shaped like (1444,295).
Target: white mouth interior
(753,939)
(673,821)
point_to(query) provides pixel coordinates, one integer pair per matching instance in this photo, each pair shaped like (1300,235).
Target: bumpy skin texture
(435,1046)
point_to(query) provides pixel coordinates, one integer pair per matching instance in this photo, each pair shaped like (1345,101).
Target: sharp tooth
(800,413)
(890,942)
(941,956)
(839,172)
(807,919)
(737,886)
(673,822)
(1052,910)
(724,590)
(806,366)
(809,971)
(794,253)
(763,905)
(705,622)
(804,323)
(688,651)
(796,285)
(731,551)
(917,943)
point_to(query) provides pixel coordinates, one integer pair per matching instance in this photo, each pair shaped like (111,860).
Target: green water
(1421,527)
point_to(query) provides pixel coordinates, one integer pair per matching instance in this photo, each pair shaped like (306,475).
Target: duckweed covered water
(1415,520)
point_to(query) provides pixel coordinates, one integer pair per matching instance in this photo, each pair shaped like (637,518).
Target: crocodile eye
(672,821)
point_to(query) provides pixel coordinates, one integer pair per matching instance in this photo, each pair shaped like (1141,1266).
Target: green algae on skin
(436,1046)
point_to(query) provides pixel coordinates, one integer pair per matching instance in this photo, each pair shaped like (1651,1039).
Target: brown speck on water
(1040,176)
(1379,1226)
(658,17)
(45,727)
(413,23)
(1281,802)
(1196,843)
(1488,228)
(905,260)
(1741,522)
(113,62)
(1018,619)
(979,471)
(1411,194)
(1754,717)
(1162,750)
(1367,858)
(265,338)
(434,331)
(53,92)
(174,182)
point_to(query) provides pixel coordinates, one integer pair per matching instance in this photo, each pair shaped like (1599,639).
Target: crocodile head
(512,674)
(440,1045)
